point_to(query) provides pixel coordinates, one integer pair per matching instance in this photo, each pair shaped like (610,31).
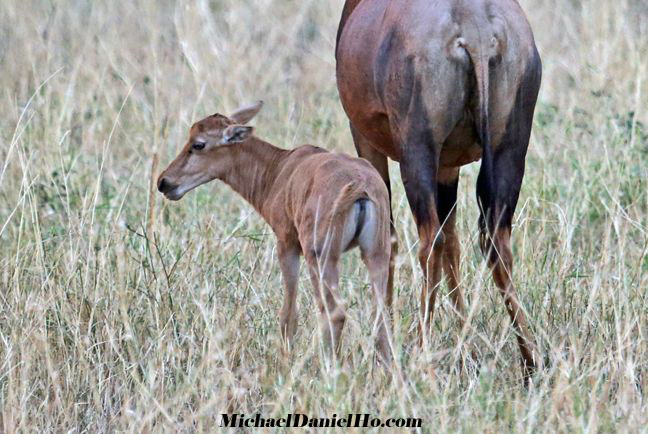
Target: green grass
(105,327)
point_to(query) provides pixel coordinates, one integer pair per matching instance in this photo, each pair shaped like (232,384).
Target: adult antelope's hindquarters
(434,86)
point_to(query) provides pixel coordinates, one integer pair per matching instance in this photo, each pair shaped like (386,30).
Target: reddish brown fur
(434,86)
(307,195)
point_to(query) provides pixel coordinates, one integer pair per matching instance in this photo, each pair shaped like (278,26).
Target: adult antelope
(436,85)
(319,204)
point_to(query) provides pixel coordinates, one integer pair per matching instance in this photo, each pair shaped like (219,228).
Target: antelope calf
(319,205)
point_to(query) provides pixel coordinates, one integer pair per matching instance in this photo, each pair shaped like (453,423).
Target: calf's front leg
(289,264)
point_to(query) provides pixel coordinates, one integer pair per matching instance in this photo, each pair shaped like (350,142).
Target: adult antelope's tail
(485,182)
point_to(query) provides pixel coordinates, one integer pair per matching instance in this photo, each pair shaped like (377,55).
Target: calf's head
(208,152)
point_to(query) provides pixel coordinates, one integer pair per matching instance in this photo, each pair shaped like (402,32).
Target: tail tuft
(485,183)
(347,196)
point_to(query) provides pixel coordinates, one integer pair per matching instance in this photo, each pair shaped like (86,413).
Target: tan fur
(306,195)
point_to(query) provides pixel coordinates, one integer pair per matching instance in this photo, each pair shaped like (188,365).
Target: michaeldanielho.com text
(298,420)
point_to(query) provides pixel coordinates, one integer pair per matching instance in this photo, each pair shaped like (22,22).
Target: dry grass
(104,328)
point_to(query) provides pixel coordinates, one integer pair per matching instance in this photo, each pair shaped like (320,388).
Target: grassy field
(114,321)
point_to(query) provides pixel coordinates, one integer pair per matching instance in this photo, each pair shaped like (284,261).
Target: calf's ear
(236,134)
(245,114)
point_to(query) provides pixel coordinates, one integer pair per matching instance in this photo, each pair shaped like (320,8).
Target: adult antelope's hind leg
(501,259)
(498,207)
(447,185)
(419,171)
(289,264)
(448,182)
(370,153)
(496,244)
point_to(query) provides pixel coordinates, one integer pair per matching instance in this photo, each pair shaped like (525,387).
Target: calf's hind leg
(367,151)
(377,263)
(324,277)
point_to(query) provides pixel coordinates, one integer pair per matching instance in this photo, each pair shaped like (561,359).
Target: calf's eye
(198,145)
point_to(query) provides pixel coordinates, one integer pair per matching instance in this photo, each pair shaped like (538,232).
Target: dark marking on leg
(498,207)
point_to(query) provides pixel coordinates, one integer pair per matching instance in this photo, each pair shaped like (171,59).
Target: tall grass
(108,326)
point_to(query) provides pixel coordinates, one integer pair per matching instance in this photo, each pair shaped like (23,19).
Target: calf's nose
(163,185)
